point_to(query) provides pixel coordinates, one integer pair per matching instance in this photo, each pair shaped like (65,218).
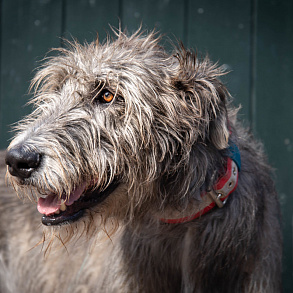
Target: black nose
(22,162)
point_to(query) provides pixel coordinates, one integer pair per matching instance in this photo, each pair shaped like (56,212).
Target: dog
(136,176)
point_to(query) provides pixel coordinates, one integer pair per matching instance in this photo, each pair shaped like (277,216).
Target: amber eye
(106,97)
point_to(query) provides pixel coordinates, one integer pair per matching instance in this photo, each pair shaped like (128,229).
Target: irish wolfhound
(144,179)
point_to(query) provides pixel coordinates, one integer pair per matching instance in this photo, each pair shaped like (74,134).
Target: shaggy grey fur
(163,141)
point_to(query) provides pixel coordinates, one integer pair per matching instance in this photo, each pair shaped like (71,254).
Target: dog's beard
(68,207)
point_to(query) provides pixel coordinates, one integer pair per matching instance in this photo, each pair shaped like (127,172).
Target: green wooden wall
(253,38)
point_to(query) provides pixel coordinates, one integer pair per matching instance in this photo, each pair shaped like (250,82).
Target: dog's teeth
(57,212)
(63,206)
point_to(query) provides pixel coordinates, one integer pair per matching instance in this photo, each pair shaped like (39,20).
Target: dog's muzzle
(56,209)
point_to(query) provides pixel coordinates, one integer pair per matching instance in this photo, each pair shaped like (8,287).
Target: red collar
(216,197)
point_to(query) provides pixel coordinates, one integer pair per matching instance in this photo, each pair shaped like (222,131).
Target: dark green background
(253,38)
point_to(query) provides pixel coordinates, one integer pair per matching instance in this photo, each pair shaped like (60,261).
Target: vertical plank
(222,29)
(86,18)
(29,29)
(166,16)
(274,107)
(1,41)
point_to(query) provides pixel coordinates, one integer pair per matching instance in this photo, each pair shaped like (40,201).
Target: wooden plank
(222,29)
(166,16)
(274,107)
(86,18)
(29,29)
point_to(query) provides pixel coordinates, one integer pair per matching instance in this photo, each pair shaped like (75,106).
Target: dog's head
(119,129)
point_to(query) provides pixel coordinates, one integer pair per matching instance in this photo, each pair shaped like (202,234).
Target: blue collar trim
(234,154)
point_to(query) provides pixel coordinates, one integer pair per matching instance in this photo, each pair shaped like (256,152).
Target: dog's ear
(197,83)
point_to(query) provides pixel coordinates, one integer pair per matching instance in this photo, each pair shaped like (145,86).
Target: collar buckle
(226,185)
(216,197)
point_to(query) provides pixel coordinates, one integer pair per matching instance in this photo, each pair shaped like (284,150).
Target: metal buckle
(216,198)
(225,185)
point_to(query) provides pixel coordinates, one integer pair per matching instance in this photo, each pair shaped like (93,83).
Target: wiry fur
(165,138)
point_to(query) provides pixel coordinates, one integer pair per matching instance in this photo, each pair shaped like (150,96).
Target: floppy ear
(218,128)
(198,84)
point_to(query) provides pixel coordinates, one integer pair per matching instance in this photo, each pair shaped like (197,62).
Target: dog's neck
(216,197)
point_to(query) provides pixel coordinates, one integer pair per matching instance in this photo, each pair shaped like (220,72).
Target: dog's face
(111,123)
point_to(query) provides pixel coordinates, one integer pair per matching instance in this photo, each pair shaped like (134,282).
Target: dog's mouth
(65,210)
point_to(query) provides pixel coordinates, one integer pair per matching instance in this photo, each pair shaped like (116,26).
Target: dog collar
(215,197)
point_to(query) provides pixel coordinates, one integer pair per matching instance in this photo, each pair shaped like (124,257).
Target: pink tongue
(49,205)
(52,203)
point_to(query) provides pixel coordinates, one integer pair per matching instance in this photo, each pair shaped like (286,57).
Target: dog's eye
(106,97)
